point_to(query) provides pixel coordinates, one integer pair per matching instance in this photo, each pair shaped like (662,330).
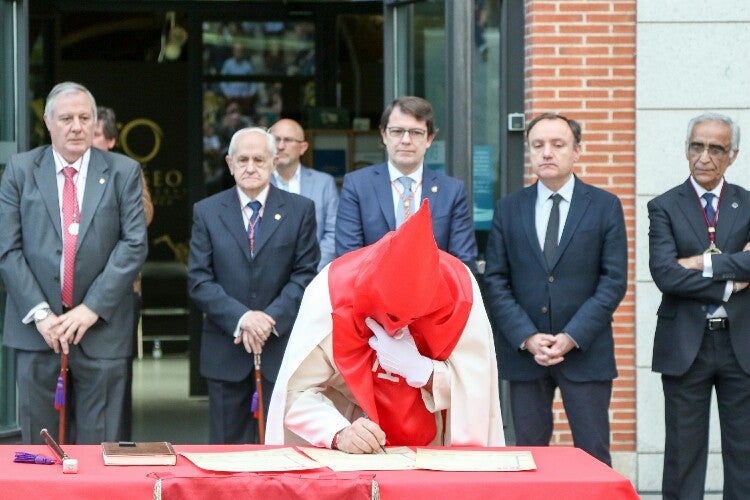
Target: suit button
(551,279)
(253,295)
(544,310)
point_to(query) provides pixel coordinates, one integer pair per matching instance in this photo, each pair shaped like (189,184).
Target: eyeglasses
(287,140)
(415,134)
(714,150)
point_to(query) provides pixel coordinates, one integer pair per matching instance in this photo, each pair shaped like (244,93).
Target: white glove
(400,355)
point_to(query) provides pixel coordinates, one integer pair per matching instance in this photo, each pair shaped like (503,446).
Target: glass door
(449,53)
(13,138)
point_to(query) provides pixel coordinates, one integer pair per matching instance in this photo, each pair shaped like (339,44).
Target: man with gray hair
(72,239)
(698,241)
(253,250)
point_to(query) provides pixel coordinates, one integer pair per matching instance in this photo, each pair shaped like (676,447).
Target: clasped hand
(69,328)
(549,349)
(255,329)
(399,355)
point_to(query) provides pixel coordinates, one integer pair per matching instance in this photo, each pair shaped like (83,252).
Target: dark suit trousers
(586,406)
(231,420)
(96,391)
(687,412)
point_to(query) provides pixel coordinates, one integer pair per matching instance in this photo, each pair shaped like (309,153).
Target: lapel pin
(101,180)
(735,205)
(277,216)
(433,189)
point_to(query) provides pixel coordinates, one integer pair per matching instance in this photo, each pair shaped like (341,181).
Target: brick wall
(580,61)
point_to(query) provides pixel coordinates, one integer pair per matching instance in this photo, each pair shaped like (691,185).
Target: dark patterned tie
(711,216)
(710,212)
(553,228)
(252,227)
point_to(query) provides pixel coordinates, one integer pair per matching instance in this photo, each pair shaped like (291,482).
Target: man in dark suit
(378,198)
(253,251)
(557,260)
(698,241)
(92,323)
(320,187)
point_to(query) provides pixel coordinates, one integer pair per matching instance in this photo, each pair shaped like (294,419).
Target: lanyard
(711,224)
(406,200)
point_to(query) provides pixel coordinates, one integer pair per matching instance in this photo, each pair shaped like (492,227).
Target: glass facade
(253,74)
(182,80)
(10,14)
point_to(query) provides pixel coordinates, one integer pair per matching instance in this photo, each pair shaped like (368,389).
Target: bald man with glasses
(379,198)
(290,175)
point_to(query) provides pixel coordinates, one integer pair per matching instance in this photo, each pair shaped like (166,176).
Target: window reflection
(247,67)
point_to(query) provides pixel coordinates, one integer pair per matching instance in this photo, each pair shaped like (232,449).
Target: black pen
(364,415)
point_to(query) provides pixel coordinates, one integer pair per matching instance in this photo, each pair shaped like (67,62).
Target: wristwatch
(41,314)
(335,442)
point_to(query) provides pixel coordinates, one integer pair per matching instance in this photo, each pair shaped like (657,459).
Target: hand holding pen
(364,415)
(362,436)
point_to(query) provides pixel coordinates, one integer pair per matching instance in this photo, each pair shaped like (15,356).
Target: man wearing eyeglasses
(290,175)
(698,242)
(379,198)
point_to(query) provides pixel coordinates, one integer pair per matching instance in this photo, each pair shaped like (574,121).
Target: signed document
(274,460)
(474,460)
(397,458)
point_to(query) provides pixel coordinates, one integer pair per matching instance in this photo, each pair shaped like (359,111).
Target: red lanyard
(404,199)
(711,224)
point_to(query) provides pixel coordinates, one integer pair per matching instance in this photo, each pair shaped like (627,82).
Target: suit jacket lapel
(692,209)
(46,178)
(527,212)
(231,217)
(578,206)
(97,178)
(429,187)
(728,211)
(273,215)
(382,183)
(306,181)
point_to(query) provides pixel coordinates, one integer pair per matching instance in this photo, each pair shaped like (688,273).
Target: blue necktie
(710,212)
(252,227)
(711,216)
(404,207)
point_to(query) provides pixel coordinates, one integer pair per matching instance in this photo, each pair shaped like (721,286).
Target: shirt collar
(245,199)
(294,178)
(700,190)
(81,164)
(394,173)
(543,192)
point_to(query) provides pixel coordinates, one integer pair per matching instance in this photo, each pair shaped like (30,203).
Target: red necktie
(71,219)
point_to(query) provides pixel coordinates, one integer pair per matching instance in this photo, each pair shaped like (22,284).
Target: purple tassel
(254,404)
(59,393)
(30,458)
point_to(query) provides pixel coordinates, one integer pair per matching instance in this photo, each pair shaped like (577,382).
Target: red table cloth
(562,473)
